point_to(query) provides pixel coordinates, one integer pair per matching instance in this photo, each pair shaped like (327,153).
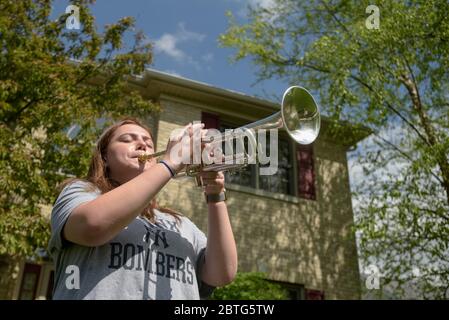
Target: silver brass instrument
(299,116)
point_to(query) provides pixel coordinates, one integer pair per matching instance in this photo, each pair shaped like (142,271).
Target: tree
(250,286)
(394,80)
(55,86)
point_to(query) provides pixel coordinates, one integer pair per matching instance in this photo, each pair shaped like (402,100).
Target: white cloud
(254,3)
(208,57)
(185,35)
(168,43)
(262,3)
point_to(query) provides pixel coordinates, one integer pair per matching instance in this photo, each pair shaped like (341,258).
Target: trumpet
(299,116)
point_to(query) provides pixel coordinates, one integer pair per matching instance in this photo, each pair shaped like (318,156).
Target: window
(30,279)
(306,172)
(283,181)
(312,294)
(280,182)
(245,176)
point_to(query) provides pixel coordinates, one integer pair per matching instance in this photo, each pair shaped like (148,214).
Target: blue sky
(185,38)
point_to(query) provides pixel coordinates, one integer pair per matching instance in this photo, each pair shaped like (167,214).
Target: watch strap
(213,198)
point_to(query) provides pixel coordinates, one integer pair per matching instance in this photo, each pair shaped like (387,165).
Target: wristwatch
(213,198)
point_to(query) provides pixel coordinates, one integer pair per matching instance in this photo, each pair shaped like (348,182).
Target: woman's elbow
(228,278)
(95,236)
(84,232)
(222,279)
(229,273)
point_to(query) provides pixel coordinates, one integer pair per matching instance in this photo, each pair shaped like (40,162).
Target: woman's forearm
(221,253)
(99,220)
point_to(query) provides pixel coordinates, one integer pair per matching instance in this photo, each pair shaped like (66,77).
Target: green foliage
(394,80)
(44,93)
(250,286)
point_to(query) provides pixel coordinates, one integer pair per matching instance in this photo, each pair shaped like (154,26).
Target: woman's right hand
(179,151)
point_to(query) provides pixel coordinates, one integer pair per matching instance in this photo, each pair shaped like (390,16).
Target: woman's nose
(141,145)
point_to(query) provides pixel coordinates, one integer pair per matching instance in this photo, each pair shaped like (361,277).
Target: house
(296,226)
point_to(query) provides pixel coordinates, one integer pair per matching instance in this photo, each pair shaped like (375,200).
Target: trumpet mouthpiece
(144,157)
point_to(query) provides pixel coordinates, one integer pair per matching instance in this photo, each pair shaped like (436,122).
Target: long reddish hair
(99,176)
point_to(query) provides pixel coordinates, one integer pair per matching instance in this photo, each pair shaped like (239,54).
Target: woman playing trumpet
(110,239)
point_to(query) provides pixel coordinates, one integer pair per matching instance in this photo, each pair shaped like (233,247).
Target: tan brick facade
(294,240)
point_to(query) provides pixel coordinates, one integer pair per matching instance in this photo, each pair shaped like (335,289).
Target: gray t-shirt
(145,260)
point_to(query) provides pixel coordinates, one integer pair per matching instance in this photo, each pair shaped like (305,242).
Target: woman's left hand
(213,182)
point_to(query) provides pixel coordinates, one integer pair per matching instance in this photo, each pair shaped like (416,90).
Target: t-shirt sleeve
(71,196)
(204,289)
(199,238)
(200,243)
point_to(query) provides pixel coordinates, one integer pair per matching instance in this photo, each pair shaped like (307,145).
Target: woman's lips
(142,160)
(136,155)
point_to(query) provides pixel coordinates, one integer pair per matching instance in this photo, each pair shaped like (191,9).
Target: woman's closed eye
(128,138)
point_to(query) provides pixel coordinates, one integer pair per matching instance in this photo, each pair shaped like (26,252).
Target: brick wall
(293,240)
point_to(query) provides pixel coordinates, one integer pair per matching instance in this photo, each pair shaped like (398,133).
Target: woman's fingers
(192,128)
(212,175)
(213,182)
(213,189)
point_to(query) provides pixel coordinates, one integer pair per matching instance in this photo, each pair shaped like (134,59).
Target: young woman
(110,239)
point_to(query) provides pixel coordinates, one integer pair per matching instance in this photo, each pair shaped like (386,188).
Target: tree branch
(411,85)
(366,85)
(380,67)
(435,212)
(405,155)
(14,117)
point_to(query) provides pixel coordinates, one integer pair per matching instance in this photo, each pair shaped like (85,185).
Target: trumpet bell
(300,115)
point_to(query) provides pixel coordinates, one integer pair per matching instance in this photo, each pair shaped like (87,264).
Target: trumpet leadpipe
(144,157)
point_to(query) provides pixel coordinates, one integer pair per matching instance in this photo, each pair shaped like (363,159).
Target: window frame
(255,176)
(34,269)
(222,122)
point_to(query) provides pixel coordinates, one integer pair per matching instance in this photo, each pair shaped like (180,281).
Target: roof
(160,85)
